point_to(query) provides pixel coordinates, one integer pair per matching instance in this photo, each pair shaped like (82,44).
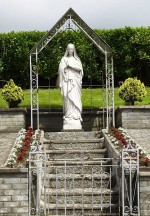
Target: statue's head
(70,49)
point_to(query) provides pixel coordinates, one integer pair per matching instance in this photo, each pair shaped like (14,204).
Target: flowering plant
(121,138)
(25,147)
(21,147)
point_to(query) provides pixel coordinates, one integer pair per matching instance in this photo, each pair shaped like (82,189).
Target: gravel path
(6,143)
(142,137)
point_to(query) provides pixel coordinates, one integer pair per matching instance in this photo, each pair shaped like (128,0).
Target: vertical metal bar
(37,86)
(101,188)
(107,95)
(83,188)
(48,192)
(73,192)
(130,185)
(113,96)
(92,190)
(31,91)
(103,99)
(122,179)
(38,193)
(44,183)
(30,181)
(138,195)
(56,192)
(110,188)
(65,190)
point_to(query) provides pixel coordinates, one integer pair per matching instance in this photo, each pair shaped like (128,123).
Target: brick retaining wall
(14,192)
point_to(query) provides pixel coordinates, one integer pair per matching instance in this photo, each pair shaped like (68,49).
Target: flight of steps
(77,178)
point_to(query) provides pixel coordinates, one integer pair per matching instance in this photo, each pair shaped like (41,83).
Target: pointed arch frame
(72,17)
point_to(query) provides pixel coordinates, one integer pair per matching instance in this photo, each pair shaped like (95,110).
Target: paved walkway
(142,137)
(6,143)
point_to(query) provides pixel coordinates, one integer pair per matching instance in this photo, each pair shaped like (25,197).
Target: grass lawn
(90,98)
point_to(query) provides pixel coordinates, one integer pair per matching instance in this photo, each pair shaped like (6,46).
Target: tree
(132,90)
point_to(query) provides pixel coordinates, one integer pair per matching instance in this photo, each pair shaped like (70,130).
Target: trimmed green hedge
(131,47)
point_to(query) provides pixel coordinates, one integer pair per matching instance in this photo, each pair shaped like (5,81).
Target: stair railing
(130,181)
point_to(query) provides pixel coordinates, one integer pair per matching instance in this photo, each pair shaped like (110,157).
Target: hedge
(131,47)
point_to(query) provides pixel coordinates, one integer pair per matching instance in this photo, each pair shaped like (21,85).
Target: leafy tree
(132,90)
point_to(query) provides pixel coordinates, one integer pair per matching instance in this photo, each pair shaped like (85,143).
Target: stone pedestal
(72,125)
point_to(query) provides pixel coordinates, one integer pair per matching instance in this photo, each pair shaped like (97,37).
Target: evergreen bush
(132,90)
(12,94)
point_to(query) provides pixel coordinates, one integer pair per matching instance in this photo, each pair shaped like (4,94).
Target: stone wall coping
(13,170)
(111,146)
(138,107)
(13,110)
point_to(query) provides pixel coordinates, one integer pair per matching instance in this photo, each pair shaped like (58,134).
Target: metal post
(113,103)
(107,94)
(31,104)
(37,87)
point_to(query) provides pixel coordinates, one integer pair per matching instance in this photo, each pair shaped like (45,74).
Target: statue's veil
(74,53)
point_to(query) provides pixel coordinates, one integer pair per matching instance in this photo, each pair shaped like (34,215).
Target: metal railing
(72,186)
(105,186)
(130,181)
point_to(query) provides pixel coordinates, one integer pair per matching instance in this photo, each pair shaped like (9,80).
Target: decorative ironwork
(71,21)
(70,187)
(130,181)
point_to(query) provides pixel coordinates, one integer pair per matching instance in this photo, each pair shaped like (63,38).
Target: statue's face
(70,50)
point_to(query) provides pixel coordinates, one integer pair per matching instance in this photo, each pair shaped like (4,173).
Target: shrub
(12,94)
(132,90)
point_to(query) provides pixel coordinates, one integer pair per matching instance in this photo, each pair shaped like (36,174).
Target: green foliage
(132,90)
(131,55)
(12,94)
(132,52)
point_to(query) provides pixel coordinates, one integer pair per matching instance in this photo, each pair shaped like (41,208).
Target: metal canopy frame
(69,18)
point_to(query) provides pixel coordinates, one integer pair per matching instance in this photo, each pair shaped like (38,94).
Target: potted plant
(12,94)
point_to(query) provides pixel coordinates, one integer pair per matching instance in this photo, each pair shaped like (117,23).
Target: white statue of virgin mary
(70,82)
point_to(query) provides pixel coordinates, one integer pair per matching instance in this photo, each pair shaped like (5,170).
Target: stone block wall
(53,121)
(133,117)
(14,192)
(12,119)
(145,192)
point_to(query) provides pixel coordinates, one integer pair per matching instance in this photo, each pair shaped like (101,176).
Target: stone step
(76,176)
(76,206)
(101,140)
(66,168)
(98,161)
(76,154)
(77,183)
(76,212)
(72,135)
(78,199)
(73,144)
(77,191)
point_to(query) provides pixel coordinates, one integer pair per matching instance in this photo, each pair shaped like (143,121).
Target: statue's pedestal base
(72,125)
